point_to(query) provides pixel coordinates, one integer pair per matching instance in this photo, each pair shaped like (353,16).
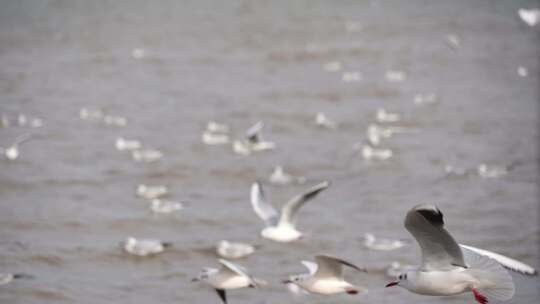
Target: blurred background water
(171,66)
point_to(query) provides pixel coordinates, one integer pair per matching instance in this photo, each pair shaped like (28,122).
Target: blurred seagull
(163,206)
(146,155)
(12,151)
(253,141)
(216,127)
(211,138)
(449,268)
(229,276)
(90,114)
(117,121)
(281,227)
(233,250)
(531,17)
(425,99)
(371,242)
(384,116)
(395,76)
(371,153)
(280,177)
(123,144)
(322,120)
(491,171)
(326,277)
(453,41)
(6,278)
(144,247)
(151,192)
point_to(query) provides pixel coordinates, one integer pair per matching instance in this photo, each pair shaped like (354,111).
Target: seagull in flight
(326,277)
(281,227)
(449,268)
(229,276)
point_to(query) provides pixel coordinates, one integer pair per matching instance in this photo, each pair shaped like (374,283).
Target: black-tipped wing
(290,209)
(222,295)
(253,134)
(261,207)
(331,267)
(439,249)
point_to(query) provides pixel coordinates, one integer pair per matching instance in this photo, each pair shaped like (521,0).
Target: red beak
(391,284)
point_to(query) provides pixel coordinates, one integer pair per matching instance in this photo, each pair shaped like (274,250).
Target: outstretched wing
(331,267)
(505,261)
(439,249)
(290,209)
(312,267)
(222,295)
(253,133)
(262,208)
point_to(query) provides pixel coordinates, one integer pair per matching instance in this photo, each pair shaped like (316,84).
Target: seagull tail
(494,281)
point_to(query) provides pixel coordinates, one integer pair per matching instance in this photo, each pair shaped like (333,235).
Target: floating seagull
(326,277)
(144,247)
(453,41)
(487,171)
(281,227)
(383,116)
(211,138)
(216,127)
(371,242)
(123,144)
(425,99)
(162,206)
(280,177)
(371,153)
(117,121)
(6,278)
(322,121)
(151,192)
(12,152)
(332,66)
(448,268)
(90,114)
(351,76)
(229,276)
(375,132)
(253,141)
(522,71)
(395,76)
(531,17)
(233,250)
(147,155)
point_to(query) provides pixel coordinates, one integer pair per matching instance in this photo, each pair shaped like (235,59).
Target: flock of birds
(447,267)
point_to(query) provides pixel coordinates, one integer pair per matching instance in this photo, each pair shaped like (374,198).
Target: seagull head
(402,280)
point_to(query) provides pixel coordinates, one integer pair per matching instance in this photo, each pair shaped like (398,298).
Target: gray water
(69,199)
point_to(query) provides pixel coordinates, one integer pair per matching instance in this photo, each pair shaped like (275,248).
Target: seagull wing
(311,266)
(235,270)
(439,249)
(505,261)
(253,133)
(22,139)
(290,209)
(222,295)
(331,267)
(263,209)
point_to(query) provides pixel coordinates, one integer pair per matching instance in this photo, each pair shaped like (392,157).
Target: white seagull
(151,192)
(322,120)
(449,268)
(123,144)
(164,206)
(253,141)
(531,17)
(144,247)
(229,276)
(147,155)
(6,278)
(281,227)
(326,277)
(384,116)
(371,153)
(371,242)
(12,152)
(233,250)
(280,177)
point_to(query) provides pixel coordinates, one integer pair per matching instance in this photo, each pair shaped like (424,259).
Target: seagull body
(123,144)
(233,250)
(216,127)
(151,192)
(326,277)
(212,138)
(162,206)
(229,276)
(253,141)
(12,152)
(397,268)
(395,76)
(322,120)
(425,99)
(147,156)
(530,17)
(449,268)
(384,116)
(89,114)
(280,177)
(487,171)
(281,227)
(371,153)
(371,242)
(144,247)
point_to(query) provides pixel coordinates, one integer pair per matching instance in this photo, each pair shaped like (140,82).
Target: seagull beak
(392,284)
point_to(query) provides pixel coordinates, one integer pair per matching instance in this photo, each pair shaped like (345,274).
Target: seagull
(162,206)
(90,114)
(487,171)
(449,268)
(453,41)
(212,138)
(144,247)
(371,153)
(117,121)
(253,141)
(425,99)
(280,177)
(147,156)
(123,144)
(12,152)
(383,116)
(395,76)
(326,277)
(281,227)
(233,250)
(531,17)
(371,242)
(229,276)
(151,192)
(6,278)
(396,268)
(216,127)
(322,120)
